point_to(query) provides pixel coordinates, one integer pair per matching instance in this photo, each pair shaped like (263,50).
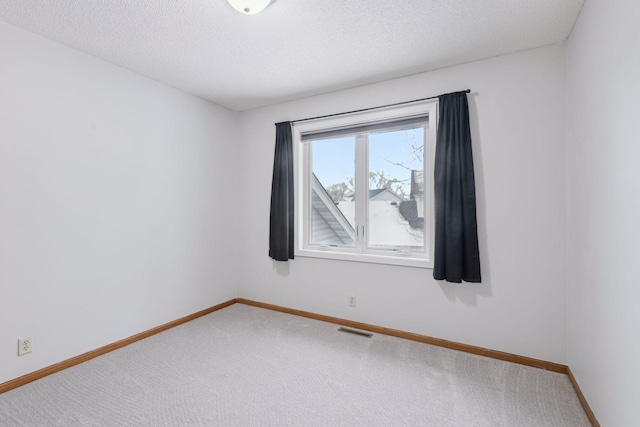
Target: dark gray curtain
(281,219)
(456,256)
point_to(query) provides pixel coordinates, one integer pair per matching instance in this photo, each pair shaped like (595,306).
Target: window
(363,184)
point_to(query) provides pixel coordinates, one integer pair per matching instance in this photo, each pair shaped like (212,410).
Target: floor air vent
(354,332)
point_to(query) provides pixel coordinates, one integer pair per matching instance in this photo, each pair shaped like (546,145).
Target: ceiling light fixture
(249,7)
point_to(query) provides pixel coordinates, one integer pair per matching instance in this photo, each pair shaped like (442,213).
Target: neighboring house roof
(384,194)
(329,224)
(374,193)
(387,227)
(392,220)
(409,211)
(379,194)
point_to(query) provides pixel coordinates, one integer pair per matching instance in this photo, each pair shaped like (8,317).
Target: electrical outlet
(352,300)
(24,346)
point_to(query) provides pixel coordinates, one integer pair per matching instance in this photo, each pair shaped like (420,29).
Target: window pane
(396,184)
(332,184)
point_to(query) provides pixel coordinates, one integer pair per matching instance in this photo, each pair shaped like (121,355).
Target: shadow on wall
(468,293)
(281,268)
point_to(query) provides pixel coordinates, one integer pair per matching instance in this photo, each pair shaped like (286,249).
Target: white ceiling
(295,48)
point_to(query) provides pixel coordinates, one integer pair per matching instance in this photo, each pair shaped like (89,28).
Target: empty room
(319,213)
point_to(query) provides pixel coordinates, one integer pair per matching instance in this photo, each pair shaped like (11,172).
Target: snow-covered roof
(387,227)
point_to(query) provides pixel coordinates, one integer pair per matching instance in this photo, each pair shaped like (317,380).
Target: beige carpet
(246,366)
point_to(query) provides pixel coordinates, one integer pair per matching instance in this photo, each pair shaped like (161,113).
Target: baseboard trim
(41,373)
(583,400)
(494,354)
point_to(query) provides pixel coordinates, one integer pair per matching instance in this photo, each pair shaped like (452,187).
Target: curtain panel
(456,256)
(281,217)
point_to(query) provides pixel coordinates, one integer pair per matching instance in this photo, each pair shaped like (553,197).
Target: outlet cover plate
(24,346)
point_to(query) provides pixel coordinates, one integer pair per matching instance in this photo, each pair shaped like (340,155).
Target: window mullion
(306,182)
(362,190)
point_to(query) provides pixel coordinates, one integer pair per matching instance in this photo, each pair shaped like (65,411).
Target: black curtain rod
(376,108)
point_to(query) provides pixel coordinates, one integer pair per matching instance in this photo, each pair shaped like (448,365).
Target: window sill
(400,260)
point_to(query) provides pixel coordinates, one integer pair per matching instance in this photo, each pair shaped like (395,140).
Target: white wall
(603,208)
(518,130)
(111,207)
(117,202)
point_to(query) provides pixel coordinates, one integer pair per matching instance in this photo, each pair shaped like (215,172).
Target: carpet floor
(247,366)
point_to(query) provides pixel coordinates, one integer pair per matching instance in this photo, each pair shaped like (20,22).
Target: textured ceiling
(294,48)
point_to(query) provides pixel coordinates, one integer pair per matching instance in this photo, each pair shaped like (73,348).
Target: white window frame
(302,182)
